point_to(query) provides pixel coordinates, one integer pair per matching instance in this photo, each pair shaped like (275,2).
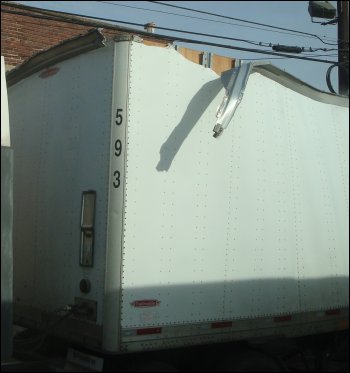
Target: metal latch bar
(234,93)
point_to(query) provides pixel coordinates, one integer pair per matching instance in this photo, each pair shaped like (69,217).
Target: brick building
(26,31)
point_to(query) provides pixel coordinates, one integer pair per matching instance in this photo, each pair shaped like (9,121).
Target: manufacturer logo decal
(145,303)
(49,72)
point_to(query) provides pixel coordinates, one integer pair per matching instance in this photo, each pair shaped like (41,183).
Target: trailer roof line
(93,39)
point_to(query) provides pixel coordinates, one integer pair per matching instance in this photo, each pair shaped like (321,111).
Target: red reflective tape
(332,312)
(145,303)
(148,331)
(221,324)
(49,72)
(282,318)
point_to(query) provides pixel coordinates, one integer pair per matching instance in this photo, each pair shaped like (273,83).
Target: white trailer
(6,224)
(165,235)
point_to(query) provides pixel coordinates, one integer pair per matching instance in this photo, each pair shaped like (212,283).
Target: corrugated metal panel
(6,252)
(61,134)
(251,224)
(238,226)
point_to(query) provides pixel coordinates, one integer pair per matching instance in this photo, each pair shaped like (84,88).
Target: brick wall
(34,30)
(24,35)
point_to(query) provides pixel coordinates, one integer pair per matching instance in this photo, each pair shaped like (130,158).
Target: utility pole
(343,47)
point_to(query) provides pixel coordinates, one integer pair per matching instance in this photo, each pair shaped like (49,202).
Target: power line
(193,17)
(190,32)
(187,16)
(265,44)
(222,37)
(243,20)
(164,37)
(285,58)
(207,19)
(248,50)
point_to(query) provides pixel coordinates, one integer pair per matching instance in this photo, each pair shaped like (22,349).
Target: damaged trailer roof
(95,39)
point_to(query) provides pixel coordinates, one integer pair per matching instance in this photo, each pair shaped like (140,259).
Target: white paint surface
(5,123)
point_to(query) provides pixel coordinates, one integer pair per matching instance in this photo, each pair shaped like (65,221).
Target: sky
(286,14)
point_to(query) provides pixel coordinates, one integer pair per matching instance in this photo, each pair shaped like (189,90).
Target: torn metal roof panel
(95,39)
(69,48)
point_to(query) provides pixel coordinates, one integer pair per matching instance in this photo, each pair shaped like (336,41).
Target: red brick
(22,36)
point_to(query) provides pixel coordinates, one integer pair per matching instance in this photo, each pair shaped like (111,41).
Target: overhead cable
(245,21)
(310,49)
(285,58)
(164,37)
